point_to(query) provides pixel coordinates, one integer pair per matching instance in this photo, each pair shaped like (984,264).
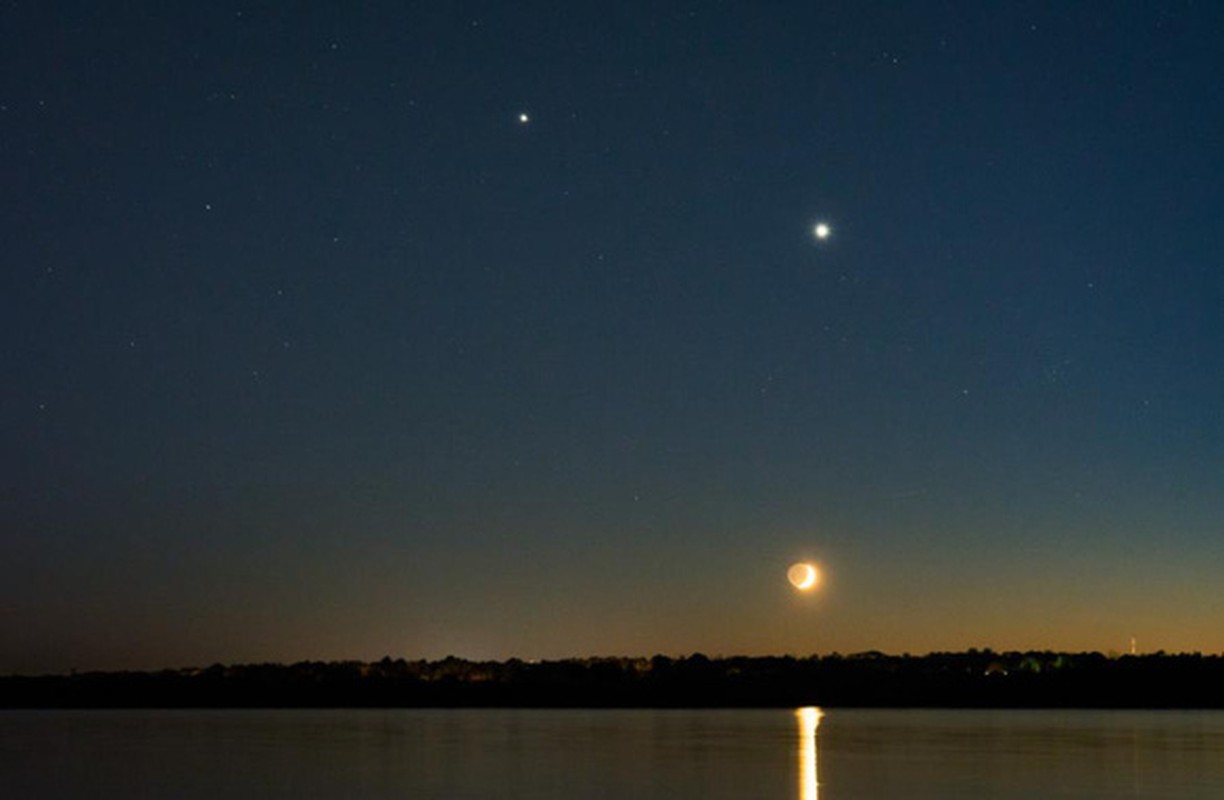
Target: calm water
(614,754)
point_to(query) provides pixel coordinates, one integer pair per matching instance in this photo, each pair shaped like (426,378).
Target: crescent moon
(802,576)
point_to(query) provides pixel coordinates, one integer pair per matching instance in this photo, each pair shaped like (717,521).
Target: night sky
(314,347)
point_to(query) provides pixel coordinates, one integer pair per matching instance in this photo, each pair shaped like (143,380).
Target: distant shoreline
(971,679)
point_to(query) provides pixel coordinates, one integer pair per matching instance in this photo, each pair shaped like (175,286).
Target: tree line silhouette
(972,679)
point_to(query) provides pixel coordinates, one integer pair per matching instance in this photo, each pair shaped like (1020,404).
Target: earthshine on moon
(803,576)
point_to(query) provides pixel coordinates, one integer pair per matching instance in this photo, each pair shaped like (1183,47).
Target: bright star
(523,118)
(822,230)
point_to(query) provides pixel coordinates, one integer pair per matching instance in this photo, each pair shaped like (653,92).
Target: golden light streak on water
(809,720)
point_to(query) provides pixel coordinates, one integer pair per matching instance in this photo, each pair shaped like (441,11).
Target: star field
(518,330)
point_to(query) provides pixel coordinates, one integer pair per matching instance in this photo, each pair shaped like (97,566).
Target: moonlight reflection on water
(809,782)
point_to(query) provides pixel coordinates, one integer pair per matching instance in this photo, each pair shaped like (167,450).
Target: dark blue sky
(314,350)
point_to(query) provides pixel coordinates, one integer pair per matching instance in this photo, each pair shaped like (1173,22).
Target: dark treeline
(977,678)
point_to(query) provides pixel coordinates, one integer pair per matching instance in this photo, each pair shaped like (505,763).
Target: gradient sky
(313,349)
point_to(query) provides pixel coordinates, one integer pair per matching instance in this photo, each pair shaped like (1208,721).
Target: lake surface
(803,754)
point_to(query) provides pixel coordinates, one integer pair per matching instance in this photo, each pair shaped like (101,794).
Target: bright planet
(803,576)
